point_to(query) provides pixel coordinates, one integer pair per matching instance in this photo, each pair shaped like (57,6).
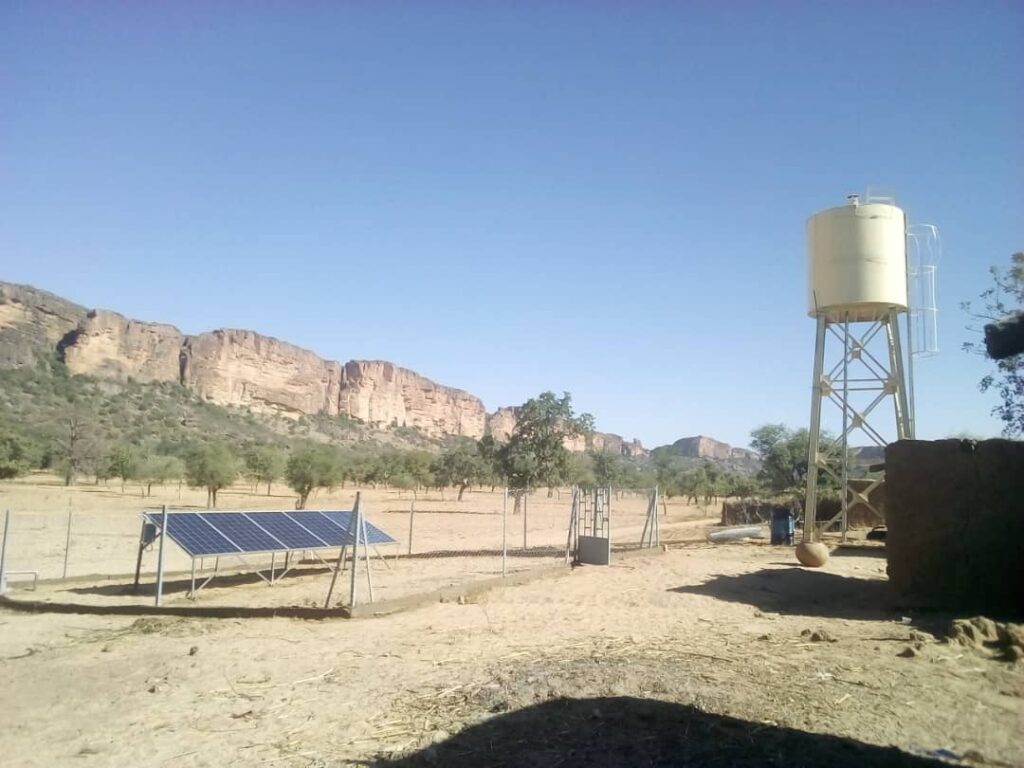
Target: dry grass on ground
(710,655)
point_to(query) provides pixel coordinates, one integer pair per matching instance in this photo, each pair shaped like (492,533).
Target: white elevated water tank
(857,261)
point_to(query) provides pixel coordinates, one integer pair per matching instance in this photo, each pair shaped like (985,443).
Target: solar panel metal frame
(343,538)
(374,535)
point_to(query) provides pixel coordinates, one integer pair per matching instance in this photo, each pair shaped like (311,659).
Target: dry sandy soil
(702,655)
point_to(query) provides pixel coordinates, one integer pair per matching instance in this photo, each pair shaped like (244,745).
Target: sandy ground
(707,646)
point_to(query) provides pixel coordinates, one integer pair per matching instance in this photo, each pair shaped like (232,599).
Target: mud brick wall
(955,512)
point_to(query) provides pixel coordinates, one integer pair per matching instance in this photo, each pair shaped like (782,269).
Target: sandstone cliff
(32,323)
(501,423)
(701,447)
(382,394)
(109,345)
(234,367)
(243,368)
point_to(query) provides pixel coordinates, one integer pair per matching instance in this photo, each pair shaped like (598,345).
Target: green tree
(580,471)
(783,454)
(460,465)
(310,468)
(490,458)
(157,469)
(535,453)
(418,465)
(15,458)
(1005,297)
(403,481)
(212,466)
(76,449)
(122,462)
(264,464)
(743,486)
(608,468)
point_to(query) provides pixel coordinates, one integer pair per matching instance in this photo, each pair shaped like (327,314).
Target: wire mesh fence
(444,542)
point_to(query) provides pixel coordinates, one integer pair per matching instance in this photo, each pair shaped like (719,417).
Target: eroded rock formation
(383,394)
(110,346)
(246,369)
(701,447)
(236,367)
(32,323)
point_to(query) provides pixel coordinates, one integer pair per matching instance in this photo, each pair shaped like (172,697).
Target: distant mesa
(243,368)
(701,447)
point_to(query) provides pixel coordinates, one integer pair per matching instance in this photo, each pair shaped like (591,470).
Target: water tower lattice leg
(858,374)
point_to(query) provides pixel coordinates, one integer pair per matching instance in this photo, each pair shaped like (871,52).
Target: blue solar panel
(341,519)
(243,532)
(196,536)
(287,531)
(316,523)
(374,535)
(230,533)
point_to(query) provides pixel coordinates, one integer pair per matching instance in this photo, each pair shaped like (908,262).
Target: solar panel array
(203,534)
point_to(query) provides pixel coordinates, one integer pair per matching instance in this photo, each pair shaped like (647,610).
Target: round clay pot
(813,554)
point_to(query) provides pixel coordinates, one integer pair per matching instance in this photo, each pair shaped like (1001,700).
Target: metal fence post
(3,552)
(526,495)
(412,516)
(504,529)
(67,543)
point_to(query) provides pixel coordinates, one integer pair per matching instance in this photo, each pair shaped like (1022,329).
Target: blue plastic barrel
(782,526)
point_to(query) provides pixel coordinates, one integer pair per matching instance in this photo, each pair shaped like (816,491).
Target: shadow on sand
(626,731)
(802,592)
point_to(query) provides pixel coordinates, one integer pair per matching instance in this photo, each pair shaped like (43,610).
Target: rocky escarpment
(236,367)
(701,447)
(246,369)
(383,394)
(110,346)
(33,323)
(501,423)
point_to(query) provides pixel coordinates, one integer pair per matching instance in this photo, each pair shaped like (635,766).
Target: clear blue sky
(604,198)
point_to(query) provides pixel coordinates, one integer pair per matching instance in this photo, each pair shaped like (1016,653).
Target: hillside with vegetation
(88,429)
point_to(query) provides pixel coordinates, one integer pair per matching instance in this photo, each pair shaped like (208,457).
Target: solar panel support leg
(160,558)
(192,589)
(138,560)
(355,553)
(366,555)
(334,577)
(273,557)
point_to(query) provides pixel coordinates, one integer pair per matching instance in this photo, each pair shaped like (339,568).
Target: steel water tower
(858,274)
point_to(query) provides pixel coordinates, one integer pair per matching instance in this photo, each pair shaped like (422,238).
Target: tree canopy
(264,464)
(310,468)
(783,454)
(212,466)
(1003,298)
(535,454)
(15,459)
(460,465)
